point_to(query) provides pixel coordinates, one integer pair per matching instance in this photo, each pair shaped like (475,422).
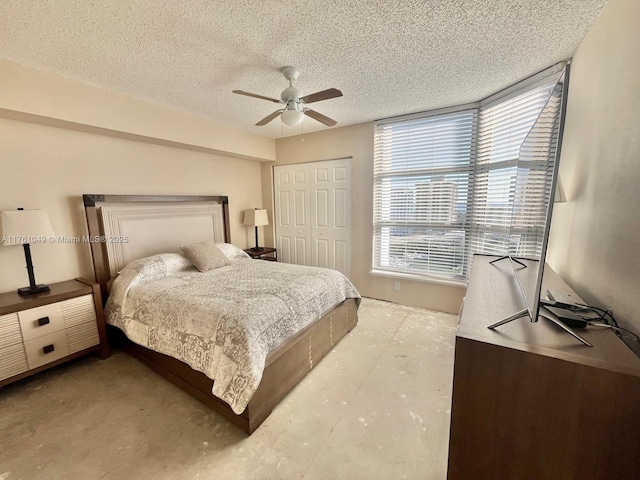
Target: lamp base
(256,249)
(31,290)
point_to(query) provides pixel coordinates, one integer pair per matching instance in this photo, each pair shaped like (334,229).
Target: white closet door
(323,191)
(331,215)
(293,226)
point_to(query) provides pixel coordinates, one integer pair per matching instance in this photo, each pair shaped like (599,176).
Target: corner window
(445,183)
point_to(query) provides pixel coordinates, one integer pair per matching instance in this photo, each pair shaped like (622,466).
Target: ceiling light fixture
(292,116)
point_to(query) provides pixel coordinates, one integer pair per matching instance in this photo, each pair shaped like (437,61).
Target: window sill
(418,278)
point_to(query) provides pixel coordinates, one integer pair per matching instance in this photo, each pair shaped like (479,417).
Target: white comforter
(224,322)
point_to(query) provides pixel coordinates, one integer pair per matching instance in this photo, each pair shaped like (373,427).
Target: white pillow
(147,269)
(231,251)
(159,265)
(205,256)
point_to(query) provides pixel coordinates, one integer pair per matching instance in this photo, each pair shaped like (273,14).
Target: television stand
(551,317)
(504,257)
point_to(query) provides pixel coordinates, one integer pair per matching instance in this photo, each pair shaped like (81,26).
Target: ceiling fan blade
(241,92)
(268,118)
(320,117)
(323,95)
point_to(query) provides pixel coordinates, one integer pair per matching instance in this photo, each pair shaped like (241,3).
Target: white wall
(595,236)
(47,167)
(37,96)
(356,141)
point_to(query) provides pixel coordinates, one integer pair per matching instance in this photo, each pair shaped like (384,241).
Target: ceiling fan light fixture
(292,117)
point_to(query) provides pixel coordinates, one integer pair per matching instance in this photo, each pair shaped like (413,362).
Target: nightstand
(44,330)
(265,253)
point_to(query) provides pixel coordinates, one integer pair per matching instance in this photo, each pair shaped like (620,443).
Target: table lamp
(256,218)
(19,227)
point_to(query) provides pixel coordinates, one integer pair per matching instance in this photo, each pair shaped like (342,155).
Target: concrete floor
(377,407)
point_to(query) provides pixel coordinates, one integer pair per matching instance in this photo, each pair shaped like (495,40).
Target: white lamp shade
(256,218)
(292,117)
(19,226)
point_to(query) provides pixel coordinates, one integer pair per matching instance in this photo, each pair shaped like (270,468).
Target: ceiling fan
(294,102)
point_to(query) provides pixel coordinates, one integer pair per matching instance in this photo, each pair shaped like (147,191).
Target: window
(422,173)
(451,183)
(509,187)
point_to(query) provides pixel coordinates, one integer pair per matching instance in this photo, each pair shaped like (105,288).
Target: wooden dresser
(529,401)
(43,330)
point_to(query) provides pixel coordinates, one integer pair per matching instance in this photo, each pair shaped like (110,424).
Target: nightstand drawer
(40,321)
(9,330)
(12,361)
(78,310)
(82,336)
(46,349)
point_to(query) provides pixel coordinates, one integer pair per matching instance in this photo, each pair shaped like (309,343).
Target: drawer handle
(43,321)
(48,348)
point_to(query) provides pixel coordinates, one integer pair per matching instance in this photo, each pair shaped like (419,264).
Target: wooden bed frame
(284,367)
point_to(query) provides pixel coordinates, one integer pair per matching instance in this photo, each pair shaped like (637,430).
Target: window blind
(472,180)
(508,193)
(421,185)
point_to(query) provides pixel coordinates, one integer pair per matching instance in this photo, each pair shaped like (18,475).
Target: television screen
(535,187)
(533,199)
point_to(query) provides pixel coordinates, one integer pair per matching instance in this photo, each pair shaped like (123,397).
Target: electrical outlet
(396,286)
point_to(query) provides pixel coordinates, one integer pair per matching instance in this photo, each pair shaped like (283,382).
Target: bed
(125,229)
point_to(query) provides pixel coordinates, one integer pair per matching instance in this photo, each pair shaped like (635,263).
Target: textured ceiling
(389,57)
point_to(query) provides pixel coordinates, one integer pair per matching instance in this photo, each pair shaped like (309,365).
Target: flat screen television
(539,155)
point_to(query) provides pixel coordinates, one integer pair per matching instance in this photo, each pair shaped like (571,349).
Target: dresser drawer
(45,349)
(9,330)
(40,321)
(12,361)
